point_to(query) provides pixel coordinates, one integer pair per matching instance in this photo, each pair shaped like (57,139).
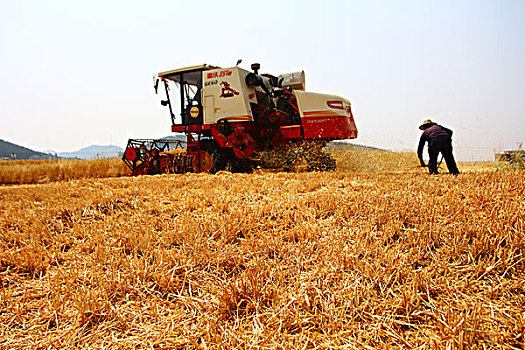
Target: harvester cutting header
(231,117)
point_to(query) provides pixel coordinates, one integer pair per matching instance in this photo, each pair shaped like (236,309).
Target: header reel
(149,157)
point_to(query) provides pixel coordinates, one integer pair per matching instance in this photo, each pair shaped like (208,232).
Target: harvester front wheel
(212,157)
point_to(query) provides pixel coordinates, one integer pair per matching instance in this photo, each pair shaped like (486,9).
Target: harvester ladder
(193,149)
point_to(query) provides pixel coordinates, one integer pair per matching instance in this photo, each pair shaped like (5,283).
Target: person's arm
(420,147)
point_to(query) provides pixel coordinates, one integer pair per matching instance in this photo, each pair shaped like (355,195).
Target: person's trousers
(445,148)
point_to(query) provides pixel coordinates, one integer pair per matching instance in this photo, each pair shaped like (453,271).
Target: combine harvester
(231,118)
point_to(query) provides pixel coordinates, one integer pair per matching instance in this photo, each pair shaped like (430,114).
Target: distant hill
(11,151)
(7,149)
(92,152)
(177,137)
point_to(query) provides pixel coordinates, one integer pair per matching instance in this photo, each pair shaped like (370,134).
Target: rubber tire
(219,156)
(243,165)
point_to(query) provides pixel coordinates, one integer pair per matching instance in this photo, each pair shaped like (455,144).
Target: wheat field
(334,260)
(15,172)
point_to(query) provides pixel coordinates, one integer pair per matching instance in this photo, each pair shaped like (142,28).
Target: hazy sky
(76,73)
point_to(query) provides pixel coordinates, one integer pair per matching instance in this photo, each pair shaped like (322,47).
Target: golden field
(16,172)
(45,171)
(334,260)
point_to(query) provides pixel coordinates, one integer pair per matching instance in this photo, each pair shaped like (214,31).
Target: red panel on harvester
(291,132)
(328,125)
(190,128)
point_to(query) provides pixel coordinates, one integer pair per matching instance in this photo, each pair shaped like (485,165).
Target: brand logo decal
(194,112)
(222,73)
(227,90)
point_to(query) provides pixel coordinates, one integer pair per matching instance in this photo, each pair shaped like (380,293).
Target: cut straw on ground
(310,260)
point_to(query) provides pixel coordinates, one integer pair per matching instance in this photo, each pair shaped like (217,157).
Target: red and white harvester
(232,119)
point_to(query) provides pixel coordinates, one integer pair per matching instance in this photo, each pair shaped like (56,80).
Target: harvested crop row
(314,259)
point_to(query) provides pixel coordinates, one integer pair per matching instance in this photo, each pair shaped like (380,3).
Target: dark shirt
(431,135)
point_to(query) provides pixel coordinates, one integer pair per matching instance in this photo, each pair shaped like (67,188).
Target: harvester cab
(230,116)
(189,83)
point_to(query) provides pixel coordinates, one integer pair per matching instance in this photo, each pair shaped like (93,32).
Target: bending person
(439,140)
